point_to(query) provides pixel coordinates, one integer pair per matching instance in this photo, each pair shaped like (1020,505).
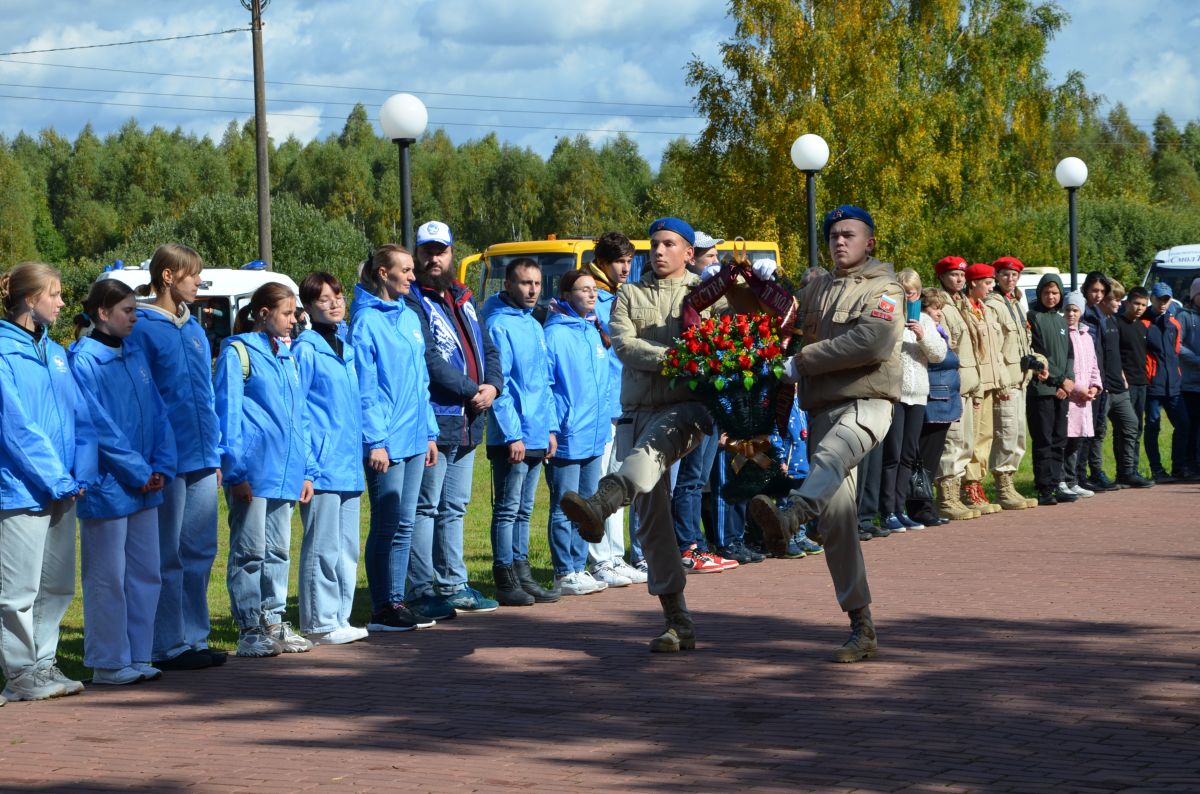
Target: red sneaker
(724,562)
(695,561)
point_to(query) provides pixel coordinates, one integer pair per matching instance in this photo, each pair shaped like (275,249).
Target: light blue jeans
(695,469)
(187,547)
(436,561)
(37,583)
(394,496)
(514,486)
(260,536)
(328,560)
(121,581)
(568,550)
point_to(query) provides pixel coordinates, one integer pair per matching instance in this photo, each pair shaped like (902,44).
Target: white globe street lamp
(403,118)
(810,153)
(1071,173)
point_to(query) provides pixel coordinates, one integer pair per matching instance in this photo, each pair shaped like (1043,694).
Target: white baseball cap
(434,232)
(704,241)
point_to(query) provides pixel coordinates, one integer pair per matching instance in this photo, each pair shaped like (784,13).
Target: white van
(1177,266)
(223,292)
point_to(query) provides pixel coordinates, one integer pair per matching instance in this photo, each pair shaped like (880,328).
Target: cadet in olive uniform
(960,438)
(849,377)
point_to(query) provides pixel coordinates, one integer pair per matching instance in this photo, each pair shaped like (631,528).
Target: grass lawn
(478,557)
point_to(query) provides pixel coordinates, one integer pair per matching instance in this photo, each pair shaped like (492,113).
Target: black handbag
(920,488)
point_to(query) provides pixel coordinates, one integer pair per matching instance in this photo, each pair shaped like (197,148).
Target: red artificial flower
(692,367)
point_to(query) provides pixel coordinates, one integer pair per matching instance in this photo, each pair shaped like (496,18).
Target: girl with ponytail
(47,455)
(267,465)
(180,359)
(119,516)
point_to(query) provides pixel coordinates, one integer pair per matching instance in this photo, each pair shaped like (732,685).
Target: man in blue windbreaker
(522,427)
(464,379)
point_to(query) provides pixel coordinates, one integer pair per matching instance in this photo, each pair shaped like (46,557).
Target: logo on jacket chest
(59,363)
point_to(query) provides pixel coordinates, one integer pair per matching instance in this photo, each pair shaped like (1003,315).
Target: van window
(1180,279)
(553,266)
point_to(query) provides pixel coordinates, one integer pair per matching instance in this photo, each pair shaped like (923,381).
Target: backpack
(243,356)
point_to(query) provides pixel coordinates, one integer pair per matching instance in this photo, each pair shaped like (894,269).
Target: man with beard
(464,379)
(849,378)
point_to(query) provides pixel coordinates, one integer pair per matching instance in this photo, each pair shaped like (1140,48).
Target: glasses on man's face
(329,303)
(585,290)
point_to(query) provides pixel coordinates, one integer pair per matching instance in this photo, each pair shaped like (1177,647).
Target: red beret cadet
(980,270)
(946,264)
(1008,263)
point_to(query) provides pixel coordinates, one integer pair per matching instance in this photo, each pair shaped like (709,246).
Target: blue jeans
(187,547)
(688,491)
(260,536)
(513,488)
(728,520)
(329,560)
(120,588)
(1173,406)
(394,496)
(436,560)
(568,550)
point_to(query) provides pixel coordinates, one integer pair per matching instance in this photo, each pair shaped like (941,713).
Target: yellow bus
(484,273)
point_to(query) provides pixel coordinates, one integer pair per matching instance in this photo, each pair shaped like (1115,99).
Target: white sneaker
(288,640)
(574,584)
(1080,491)
(596,583)
(52,673)
(256,642)
(33,684)
(339,636)
(361,631)
(149,672)
(122,675)
(634,575)
(607,573)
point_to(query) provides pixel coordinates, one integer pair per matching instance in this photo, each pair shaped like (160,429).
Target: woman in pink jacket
(1087,385)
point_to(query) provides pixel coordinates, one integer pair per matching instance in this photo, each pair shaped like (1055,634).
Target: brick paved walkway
(1050,650)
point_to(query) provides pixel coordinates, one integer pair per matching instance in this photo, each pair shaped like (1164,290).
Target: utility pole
(256,7)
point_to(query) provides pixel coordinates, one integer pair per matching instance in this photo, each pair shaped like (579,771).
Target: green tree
(17,212)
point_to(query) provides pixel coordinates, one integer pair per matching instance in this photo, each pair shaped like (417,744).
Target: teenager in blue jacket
(581,381)
(47,457)
(181,364)
(118,527)
(329,551)
(399,431)
(267,465)
(611,267)
(522,424)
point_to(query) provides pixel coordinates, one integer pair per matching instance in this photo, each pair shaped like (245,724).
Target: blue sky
(599,65)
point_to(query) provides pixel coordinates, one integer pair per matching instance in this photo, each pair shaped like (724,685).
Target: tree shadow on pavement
(968,701)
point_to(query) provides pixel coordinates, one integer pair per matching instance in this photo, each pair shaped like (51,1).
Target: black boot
(527,583)
(508,589)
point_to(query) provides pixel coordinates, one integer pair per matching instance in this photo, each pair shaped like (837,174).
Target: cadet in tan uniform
(849,377)
(984,325)
(660,423)
(960,438)
(1008,410)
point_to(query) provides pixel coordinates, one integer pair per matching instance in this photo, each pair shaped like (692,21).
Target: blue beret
(847,212)
(674,225)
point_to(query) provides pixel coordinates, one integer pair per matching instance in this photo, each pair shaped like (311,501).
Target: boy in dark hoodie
(1046,406)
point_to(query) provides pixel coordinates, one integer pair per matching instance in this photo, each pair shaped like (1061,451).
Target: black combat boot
(508,589)
(588,514)
(527,583)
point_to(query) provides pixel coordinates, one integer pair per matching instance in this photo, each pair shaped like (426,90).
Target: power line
(124,43)
(338,118)
(346,104)
(350,87)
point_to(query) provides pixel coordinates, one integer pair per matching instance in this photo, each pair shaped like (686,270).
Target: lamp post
(1071,173)
(810,153)
(403,118)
